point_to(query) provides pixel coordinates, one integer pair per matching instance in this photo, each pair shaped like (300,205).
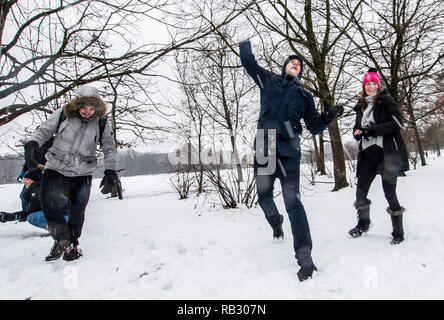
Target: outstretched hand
(331,113)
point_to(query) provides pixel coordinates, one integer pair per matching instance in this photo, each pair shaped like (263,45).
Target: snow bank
(152,246)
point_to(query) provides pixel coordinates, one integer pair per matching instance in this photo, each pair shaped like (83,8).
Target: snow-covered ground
(152,246)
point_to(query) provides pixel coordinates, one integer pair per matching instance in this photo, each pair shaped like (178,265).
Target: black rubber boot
(305,261)
(363,219)
(398,230)
(306,273)
(278,232)
(57,250)
(277,228)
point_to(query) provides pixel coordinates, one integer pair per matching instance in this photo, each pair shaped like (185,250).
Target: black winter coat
(31,199)
(283,104)
(388,124)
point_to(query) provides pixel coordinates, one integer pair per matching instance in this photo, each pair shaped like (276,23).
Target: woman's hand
(358,134)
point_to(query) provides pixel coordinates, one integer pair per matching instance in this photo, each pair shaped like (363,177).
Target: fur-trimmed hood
(72,107)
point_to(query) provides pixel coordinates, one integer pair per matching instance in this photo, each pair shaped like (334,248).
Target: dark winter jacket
(31,199)
(388,121)
(73,152)
(283,103)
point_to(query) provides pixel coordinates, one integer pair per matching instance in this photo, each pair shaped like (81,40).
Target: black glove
(358,137)
(331,113)
(32,154)
(368,132)
(108,182)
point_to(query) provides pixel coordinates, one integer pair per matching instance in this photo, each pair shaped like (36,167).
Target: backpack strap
(61,119)
(48,144)
(102,123)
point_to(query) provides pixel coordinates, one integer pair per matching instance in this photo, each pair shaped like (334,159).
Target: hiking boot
(72,253)
(58,248)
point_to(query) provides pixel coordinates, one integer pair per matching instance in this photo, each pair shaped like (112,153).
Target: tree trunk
(339,170)
(319,161)
(322,171)
(201,168)
(417,135)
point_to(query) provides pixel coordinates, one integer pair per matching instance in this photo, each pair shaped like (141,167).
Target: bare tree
(217,109)
(305,28)
(74,43)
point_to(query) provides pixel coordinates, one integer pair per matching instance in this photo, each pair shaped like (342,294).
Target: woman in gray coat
(71,161)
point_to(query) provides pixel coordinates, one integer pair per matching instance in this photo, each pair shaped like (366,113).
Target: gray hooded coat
(73,152)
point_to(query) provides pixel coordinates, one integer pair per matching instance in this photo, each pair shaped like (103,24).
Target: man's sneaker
(278,232)
(72,253)
(306,272)
(58,248)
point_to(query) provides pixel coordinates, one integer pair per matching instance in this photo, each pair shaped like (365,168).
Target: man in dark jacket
(277,146)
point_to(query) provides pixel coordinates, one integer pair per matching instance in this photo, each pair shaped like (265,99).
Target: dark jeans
(290,190)
(372,162)
(59,191)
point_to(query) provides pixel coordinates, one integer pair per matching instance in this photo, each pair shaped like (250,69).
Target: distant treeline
(134,164)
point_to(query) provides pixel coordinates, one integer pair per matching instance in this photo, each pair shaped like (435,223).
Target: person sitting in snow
(71,161)
(382,150)
(30,198)
(277,146)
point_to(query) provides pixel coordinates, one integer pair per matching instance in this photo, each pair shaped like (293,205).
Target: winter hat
(287,61)
(34,174)
(371,75)
(87,91)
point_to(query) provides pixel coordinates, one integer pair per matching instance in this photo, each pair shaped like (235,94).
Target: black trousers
(302,242)
(59,192)
(372,162)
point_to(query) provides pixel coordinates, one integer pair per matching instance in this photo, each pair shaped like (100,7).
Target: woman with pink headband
(381,150)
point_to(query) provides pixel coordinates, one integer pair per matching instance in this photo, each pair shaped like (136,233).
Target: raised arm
(257,73)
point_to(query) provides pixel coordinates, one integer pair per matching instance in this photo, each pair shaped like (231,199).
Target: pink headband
(371,75)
